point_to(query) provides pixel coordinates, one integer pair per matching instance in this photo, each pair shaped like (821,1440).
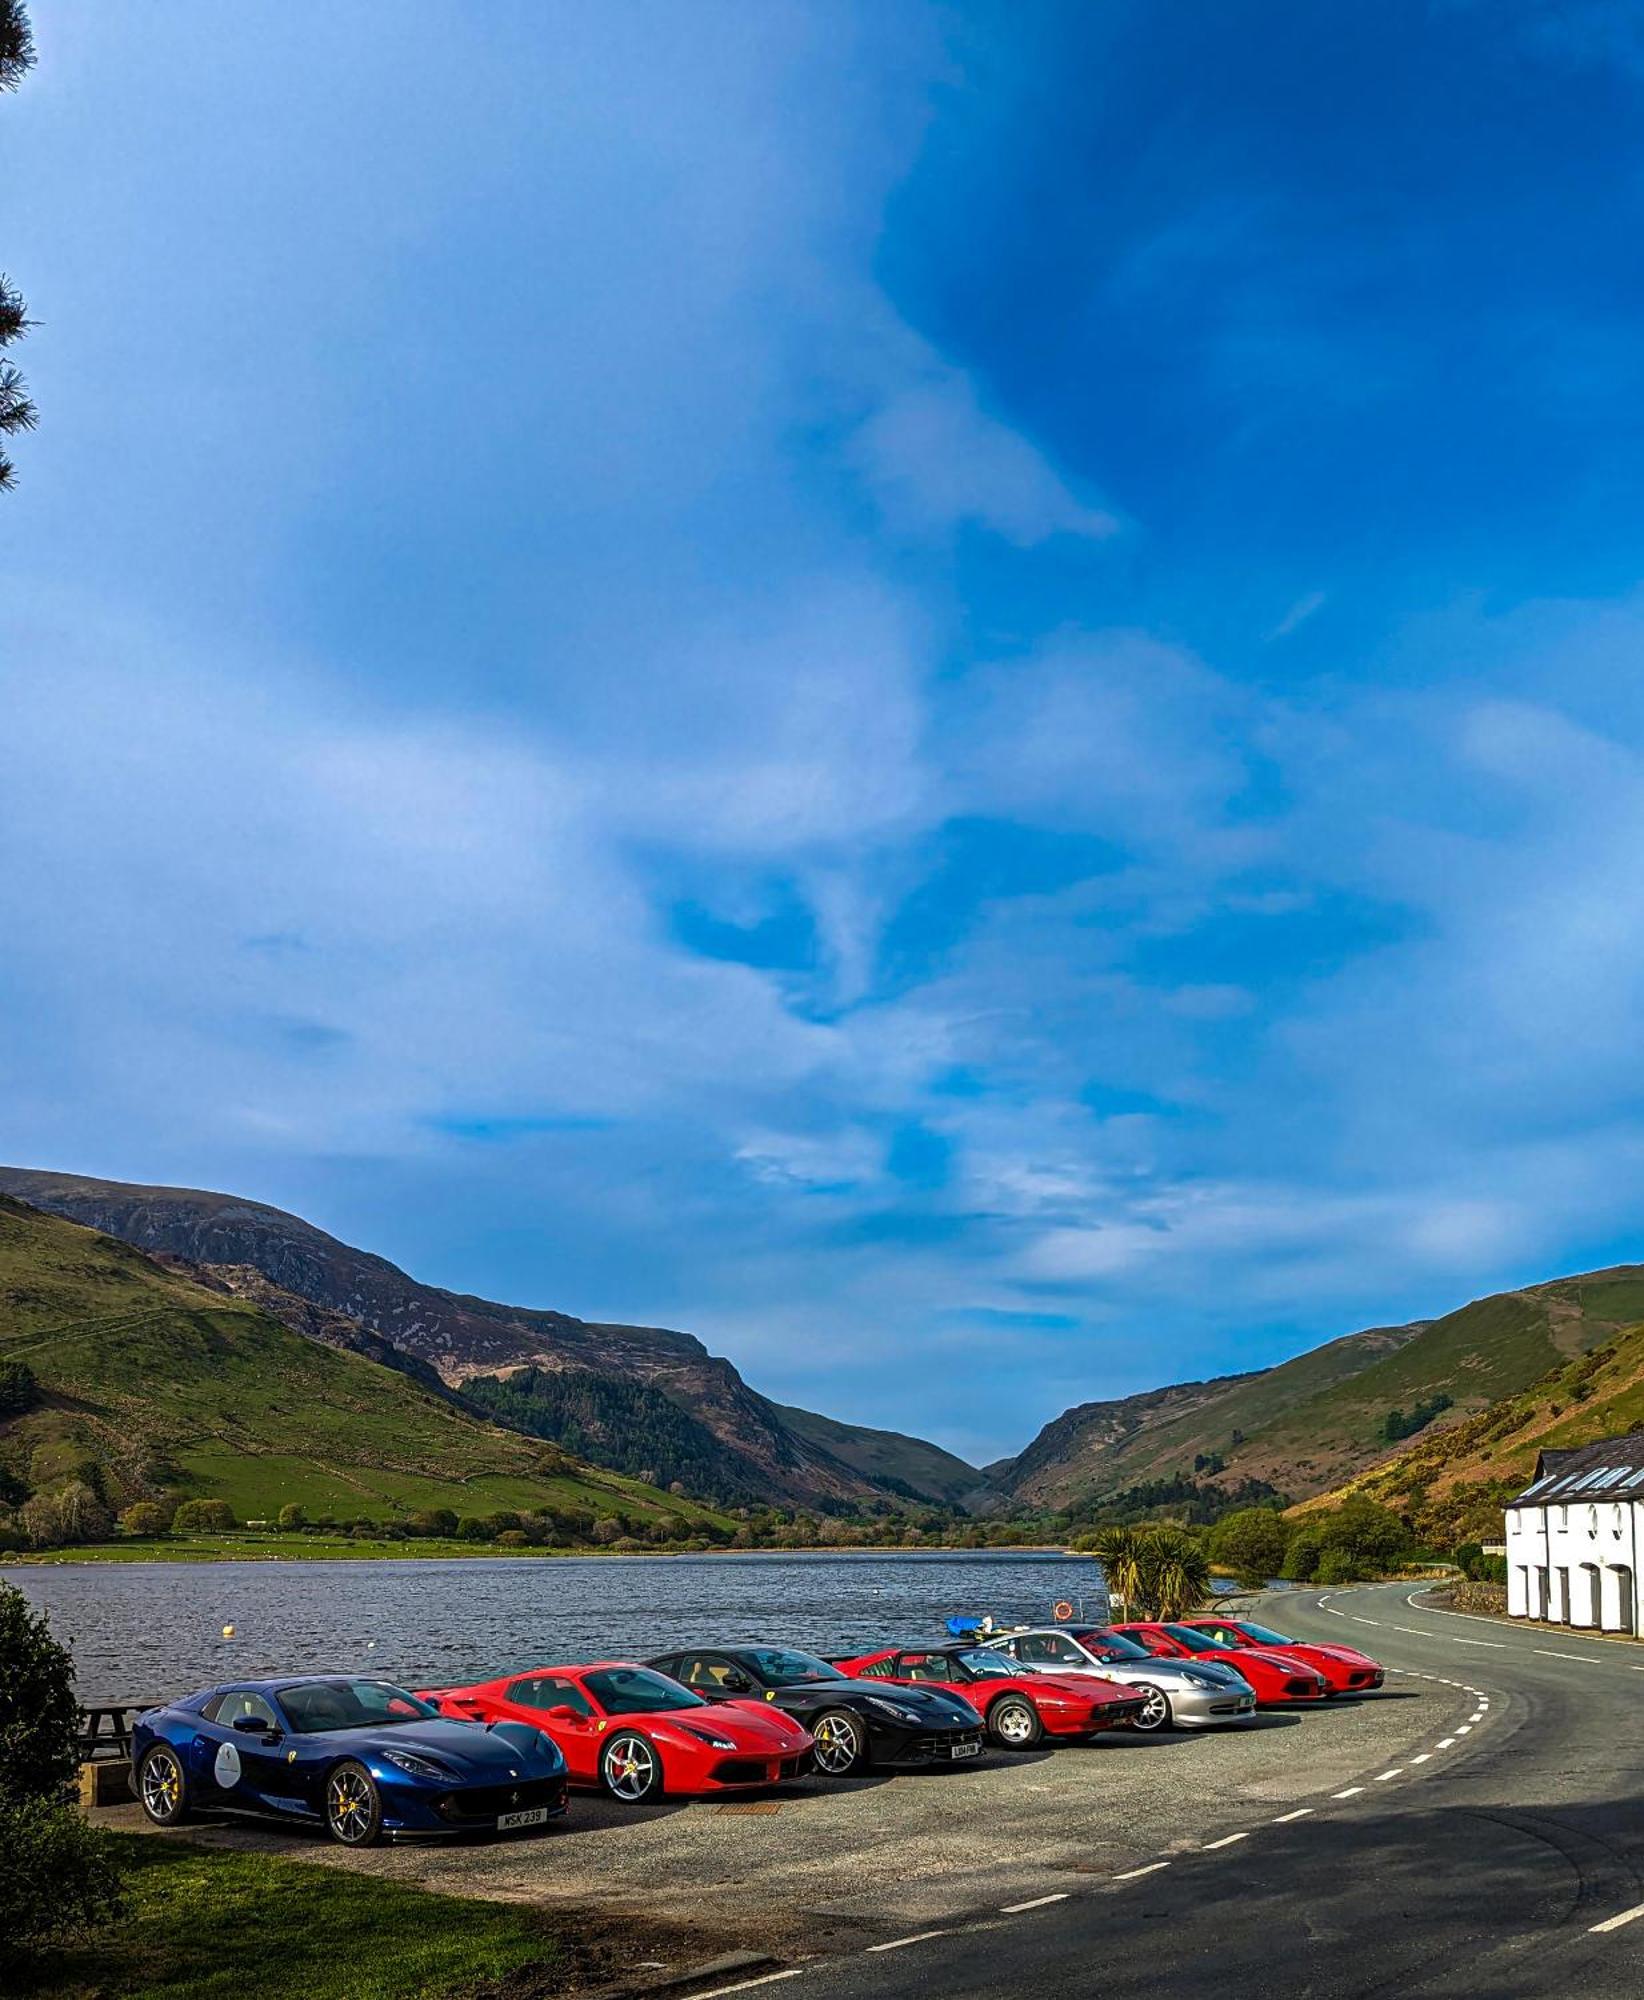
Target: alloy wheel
(1014,1723)
(1155,1711)
(837,1744)
(630,1768)
(161,1786)
(350,1808)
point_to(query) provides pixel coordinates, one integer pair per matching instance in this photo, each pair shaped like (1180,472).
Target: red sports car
(1347,1670)
(637,1733)
(1018,1708)
(1276,1678)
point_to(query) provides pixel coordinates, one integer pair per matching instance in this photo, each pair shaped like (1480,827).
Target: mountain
(162,1383)
(1311,1423)
(1452,1482)
(739,1445)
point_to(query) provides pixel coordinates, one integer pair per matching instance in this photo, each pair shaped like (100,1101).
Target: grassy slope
(1314,1422)
(1452,1482)
(927,1468)
(141,1365)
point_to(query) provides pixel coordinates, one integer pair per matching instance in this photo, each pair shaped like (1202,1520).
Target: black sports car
(856,1725)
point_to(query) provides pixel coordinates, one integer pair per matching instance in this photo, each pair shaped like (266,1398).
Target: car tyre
(353,1806)
(1013,1723)
(841,1744)
(1157,1715)
(630,1769)
(161,1786)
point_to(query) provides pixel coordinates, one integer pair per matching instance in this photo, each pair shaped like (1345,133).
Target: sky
(952,694)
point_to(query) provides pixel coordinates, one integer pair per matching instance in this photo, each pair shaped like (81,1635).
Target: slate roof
(1611,1469)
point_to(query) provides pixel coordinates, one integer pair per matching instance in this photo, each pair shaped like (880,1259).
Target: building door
(1560,1611)
(1538,1592)
(1618,1598)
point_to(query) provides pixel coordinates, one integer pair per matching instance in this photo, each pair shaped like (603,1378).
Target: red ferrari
(1275,1678)
(1019,1709)
(1347,1670)
(638,1734)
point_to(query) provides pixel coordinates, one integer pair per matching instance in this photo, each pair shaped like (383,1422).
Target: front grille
(940,1748)
(758,1771)
(475,1803)
(1119,1711)
(1301,1687)
(1229,1707)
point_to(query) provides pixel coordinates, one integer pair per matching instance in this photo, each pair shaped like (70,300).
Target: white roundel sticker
(227,1768)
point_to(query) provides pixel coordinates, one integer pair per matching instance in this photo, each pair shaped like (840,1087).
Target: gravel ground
(819,1864)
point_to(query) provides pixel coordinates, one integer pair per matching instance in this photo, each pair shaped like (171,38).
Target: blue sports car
(362,1758)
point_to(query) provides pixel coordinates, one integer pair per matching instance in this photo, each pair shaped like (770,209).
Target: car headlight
(893,1709)
(707,1736)
(417,1767)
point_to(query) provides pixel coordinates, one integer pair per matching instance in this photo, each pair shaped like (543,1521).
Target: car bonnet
(482,1755)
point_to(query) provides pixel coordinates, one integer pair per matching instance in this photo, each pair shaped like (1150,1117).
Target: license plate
(536,1816)
(967,1749)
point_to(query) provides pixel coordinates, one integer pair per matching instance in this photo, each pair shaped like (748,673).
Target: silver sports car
(1182,1694)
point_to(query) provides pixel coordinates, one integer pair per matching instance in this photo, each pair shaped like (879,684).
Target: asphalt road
(1502,1856)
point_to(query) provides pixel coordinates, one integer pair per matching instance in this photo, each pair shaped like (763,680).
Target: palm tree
(17,411)
(1175,1571)
(1120,1552)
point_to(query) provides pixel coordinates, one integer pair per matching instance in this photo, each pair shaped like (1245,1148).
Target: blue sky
(952,694)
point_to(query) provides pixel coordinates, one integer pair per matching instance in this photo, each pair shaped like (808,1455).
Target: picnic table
(105,1729)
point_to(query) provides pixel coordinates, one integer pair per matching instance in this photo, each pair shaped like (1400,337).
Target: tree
(1370,1537)
(1251,1543)
(1301,1556)
(18,1389)
(146,1517)
(203,1517)
(1175,1571)
(39,1714)
(1119,1552)
(17,412)
(292,1515)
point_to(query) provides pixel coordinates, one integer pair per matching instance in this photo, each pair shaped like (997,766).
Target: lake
(143,1630)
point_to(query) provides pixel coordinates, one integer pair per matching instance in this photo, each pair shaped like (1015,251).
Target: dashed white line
(1586,1659)
(1301,1812)
(1374,1621)
(1449,1743)
(1415,1633)
(1130,1874)
(1422,1759)
(1496,1645)
(1226,1840)
(1351,1792)
(1626,1917)
(1464,1729)
(1396,1772)
(745,1985)
(918,1937)
(1037,1903)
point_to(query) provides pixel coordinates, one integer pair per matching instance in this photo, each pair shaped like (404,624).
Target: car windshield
(314,1707)
(1199,1642)
(987,1665)
(1264,1635)
(638,1691)
(1106,1646)
(776,1667)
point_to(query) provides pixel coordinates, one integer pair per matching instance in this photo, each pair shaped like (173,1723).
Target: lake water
(144,1630)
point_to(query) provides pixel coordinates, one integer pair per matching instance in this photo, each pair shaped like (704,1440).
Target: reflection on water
(140,1630)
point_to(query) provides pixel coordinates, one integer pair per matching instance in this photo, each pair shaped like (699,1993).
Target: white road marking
(1422,1759)
(1038,1903)
(744,1985)
(1130,1874)
(1415,1633)
(1374,1621)
(1586,1659)
(1227,1840)
(1449,1743)
(918,1937)
(1351,1792)
(1396,1772)
(1301,1812)
(1496,1645)
(1464,1729)
(1626,1917)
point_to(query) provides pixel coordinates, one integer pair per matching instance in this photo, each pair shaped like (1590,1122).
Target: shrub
(292,1515)
(1251,1542)
(73,1513)
(146,1517)
(18,1389)
(608,1530)
(1337,1566)
(39,1715)
(202,1517)
(58,1875)
(432,1521)
(513,1538)
(1301,1556)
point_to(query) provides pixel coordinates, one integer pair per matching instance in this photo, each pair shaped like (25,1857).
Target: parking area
(821,1863)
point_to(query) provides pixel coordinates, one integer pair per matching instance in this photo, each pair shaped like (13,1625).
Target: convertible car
(361,1758)
(1276,1679)
(1347,1670)
(856,1725)
(1181,1694)
(1019,1708)
(637,1733)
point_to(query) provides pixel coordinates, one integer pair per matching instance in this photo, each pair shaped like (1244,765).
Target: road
(1503,1857)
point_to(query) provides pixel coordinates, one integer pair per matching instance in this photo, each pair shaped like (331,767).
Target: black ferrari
(856,1725)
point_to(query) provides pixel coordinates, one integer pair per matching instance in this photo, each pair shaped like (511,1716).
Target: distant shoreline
(304,1549)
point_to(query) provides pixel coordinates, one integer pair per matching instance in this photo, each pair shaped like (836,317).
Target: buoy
(1064,1610)
(228,1631)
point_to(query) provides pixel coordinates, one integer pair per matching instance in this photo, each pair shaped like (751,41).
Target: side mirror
(252,1725)
(562,1711)
(735,1682)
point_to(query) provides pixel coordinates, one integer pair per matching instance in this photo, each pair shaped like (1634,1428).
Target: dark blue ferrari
(360,1757)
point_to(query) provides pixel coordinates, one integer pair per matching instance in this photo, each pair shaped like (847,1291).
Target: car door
(716,1677)
(558,1705)
(1158,1643)
(247,1761)
(1229,1634)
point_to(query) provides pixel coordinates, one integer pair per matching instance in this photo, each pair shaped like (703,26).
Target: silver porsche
(1182,1694)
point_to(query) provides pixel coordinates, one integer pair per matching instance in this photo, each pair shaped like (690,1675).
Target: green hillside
(908,1465)
(166,1386)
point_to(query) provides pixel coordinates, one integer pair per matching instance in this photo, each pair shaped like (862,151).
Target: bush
(1251,1543)
(472,1529)
(513,1538)
(18,1389)
(1301,1556)
(203,1517)
(58,1875)
(432,1521)
(39,1715)
(72,1514)
(608,1530)
(146,1517)
(292,1516)
(1372,1538)
(1337,1566)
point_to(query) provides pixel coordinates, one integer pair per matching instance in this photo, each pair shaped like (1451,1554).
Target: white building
(1573,1537)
